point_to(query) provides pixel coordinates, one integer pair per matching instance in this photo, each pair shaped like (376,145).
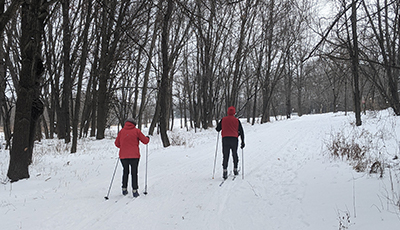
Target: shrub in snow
(371,147)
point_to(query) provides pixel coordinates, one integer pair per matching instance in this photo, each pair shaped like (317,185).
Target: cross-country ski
(236,174)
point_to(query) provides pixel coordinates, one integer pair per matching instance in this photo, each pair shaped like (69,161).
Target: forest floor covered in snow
(291,180)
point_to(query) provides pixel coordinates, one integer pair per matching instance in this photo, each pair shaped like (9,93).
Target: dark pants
(228,144)
(133,164)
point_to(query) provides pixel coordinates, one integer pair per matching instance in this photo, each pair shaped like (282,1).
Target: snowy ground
(290,182)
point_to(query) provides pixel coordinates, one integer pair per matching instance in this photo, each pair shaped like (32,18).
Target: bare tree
(64,127)
(9,13)
(148,68)
(384,22)
(274,59)
(165,77)
(5,104)
(82,62)
(113,14)
(353,50)
(245,16)
(29,107)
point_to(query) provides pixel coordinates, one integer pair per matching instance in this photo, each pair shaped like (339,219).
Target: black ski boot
(135,193)
(225,174)
(235,171)
(124,191)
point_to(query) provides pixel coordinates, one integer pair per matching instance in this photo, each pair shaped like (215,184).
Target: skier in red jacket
(231,129)
(128,143)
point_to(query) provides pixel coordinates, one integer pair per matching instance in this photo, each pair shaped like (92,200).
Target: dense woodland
(71,68)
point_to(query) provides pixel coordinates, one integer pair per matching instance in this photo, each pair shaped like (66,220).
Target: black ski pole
(242,165)
(215,158)
(145,179)
(112,179)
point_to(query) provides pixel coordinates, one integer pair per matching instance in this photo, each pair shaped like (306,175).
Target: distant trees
(104,61)
(5,60)
(380,50)
(364,43)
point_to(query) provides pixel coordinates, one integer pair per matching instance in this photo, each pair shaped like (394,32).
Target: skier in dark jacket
(128,143)
(231,129)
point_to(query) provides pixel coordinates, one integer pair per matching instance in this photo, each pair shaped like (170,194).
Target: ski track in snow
(289,184)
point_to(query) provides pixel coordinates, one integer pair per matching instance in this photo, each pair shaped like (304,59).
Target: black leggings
(228,144)
(133,163)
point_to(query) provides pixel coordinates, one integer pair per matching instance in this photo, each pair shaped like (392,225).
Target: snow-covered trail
(183,195)
(274,163)
(290,183)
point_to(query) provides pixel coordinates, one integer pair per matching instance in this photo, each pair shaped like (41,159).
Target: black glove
(242,145)
(148,137)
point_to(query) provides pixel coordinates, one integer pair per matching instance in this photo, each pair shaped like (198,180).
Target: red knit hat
(231,111)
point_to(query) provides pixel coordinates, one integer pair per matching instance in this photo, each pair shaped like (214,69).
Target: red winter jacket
(128,141)
(230,125)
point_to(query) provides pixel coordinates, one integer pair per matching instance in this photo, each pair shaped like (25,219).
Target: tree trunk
(156,117)
(289,91)
(266,100)
(82,65)
(147,74)
(105,62)
(206,59)
(93,114)
(4,107)
(91,97)
(109,43)
(269,27)
(29,107)
(392,48)
(299,102)
(254,106)
(355,63)
(345,97)
(49,88)
(164,87)
(300,89)
(232,100)
(64,120)
(136,90)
